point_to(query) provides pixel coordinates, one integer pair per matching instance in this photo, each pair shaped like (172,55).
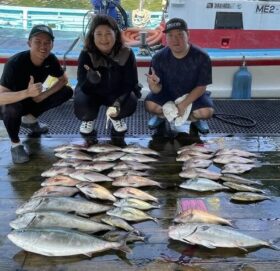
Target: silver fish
(134,181)
(118,236)
(61,242)
(74,154)
(192,173)
(133,148)
(108,156)
(46,219)
(118,222)
(202,185)
(68,162)
(90,176)
(131,192)
(138,158)
(201,149)
(131,165)
(237,168)
(242,187)
(213,236)
(248,197)
(135,203)
(96,191)
(130,214)
(57,171)
(196,163)
(63,204)
(54,191)
(200,216)
(237,179)
(103,147)
(236,152)
(60,180)
(120,173)
(65,147)
(226,159)
(95,166)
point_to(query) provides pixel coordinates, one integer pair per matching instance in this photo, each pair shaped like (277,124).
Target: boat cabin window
(229,20)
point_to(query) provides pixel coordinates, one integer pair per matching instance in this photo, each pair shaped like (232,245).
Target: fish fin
(207,244)
(243,249)
(154,219)
(271,244)
(124,248)
(88,254)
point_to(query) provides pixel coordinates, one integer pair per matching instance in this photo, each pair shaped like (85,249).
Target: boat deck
(260,220)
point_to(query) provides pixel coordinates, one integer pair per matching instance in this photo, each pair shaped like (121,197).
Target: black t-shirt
(19,68)
(181,76)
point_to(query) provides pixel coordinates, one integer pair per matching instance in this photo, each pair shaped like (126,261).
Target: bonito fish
(200,216)
(63,204)
(61,242)
(134,181)
(46,219)
(213,236)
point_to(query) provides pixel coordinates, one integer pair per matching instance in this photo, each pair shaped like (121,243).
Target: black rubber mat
(265,113)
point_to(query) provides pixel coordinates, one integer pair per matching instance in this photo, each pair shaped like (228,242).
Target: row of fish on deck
(46,224)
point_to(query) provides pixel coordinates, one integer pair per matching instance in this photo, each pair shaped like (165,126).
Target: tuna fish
(242,187)
(134,157)
(226,159)
(213,236)
(237,168)
(60,180)
(64,204)
(117,222)
(94,166)
(131,192)
(61,242)
(74,154)
(55,191)
(108,156)
(192,173)
(57,171)
(103,147)
(135,203)
(46,219)
(140,150)
(90,176)
(248,197)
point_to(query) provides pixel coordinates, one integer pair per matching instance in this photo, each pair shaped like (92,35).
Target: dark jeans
(12,113)
(86,107)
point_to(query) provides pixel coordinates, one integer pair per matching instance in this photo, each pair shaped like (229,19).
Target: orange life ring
(131,36)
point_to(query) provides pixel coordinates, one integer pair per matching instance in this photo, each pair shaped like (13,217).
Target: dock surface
(260,220)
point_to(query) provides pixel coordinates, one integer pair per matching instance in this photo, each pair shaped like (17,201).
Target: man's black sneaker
(19,155)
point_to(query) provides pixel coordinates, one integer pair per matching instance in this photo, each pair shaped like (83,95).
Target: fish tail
(123,247)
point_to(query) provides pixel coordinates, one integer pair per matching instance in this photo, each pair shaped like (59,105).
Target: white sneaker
(119,125)
(86,127)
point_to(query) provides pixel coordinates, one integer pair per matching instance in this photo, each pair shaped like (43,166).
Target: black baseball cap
(175,23)
(41,28)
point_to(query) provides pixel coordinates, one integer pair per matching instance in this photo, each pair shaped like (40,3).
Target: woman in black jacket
(107,75)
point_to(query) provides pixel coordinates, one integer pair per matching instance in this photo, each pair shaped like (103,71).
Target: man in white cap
(21,88)
(180,70)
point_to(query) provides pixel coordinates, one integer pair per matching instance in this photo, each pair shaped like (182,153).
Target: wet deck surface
(260,220)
